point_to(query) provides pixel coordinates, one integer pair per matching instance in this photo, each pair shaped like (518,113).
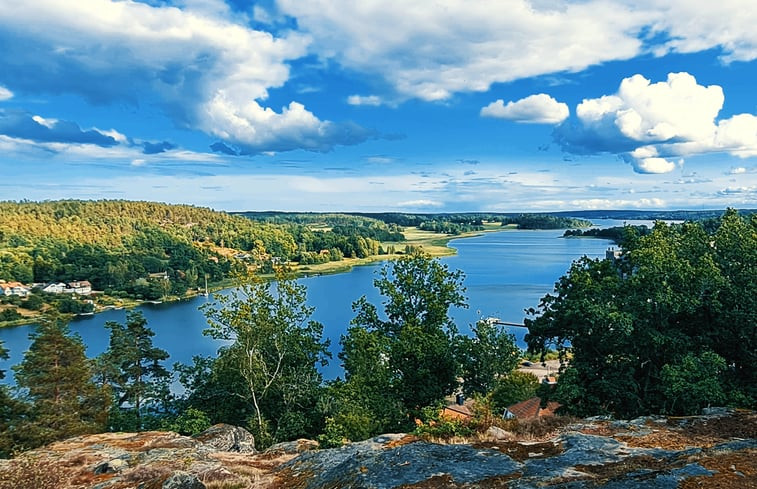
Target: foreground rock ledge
(716,451)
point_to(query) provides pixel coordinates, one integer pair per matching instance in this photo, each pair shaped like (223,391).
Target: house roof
(530,408)
(459,409)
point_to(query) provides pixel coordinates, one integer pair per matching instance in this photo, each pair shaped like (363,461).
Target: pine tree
(139,377)
(57,378)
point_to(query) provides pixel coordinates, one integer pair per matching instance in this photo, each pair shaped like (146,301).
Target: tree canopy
(679,298)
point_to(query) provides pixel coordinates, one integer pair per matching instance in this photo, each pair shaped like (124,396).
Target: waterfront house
(14,288)
(54,288)
(81,287)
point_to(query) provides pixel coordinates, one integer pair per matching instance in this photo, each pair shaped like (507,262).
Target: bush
(190,422)
(9,315)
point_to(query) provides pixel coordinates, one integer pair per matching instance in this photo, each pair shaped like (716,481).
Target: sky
(390,106)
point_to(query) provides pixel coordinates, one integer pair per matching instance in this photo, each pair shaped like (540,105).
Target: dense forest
(443,223)
(615,233)
(146,250)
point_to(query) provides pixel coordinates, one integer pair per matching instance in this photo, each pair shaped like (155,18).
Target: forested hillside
(147,249)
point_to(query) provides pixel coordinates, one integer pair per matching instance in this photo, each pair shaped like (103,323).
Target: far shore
(435,244)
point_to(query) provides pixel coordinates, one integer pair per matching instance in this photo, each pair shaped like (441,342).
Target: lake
(506,273)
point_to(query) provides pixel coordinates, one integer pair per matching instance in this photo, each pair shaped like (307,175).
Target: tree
(489,355)
(680,298)
(274,349)
(57,379)
(408,355)
(139,378)
(694,382)
(515,387)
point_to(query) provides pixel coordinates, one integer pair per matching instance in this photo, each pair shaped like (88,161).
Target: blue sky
(426,106)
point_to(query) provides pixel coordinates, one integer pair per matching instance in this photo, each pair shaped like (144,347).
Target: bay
(506,272)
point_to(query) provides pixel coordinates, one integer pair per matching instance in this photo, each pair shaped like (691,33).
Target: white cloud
(420,203)
(696,25)
(618,203)
(190,59)
(373,100)
(650,123)
(5,94)
(430,51)
(739,170)
(539,109)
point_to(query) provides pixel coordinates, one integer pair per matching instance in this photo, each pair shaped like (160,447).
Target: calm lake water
(506,273)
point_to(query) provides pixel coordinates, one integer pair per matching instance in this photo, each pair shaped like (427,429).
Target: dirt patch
(732,471)
(405,440)
(669,440)
(738,425)
(522,451)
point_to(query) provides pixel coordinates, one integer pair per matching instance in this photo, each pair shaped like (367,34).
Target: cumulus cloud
(696,25)
(254,129)
(189,59)
(537,109)
(5,94)
(433,51)
(652,125)
(430,52)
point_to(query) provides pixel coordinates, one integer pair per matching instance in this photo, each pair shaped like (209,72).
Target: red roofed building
(456,411)
(531,408)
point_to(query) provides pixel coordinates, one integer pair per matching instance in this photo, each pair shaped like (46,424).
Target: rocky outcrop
(715,451)
(228,438)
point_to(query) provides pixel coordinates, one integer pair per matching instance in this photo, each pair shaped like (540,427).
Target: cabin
(530,409)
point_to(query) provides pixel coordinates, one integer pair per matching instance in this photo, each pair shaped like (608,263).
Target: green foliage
(57,380)
(9,315)
(515,387)
(432,424)
(190,422)
(397,365)
(544,221)
(616,233)
(637,324)
(487,356)
(694,382)
(134,367)
(271,361)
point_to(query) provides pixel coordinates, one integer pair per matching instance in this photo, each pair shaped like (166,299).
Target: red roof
(530,408)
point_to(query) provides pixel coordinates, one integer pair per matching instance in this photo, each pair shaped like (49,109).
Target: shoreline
(435,244)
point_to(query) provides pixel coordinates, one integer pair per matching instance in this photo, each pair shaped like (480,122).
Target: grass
(434,244)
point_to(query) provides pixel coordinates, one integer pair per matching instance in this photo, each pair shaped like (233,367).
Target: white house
(81,287)
(54,288)
(14,288)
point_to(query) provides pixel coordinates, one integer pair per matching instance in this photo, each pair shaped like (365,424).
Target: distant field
(434,244)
